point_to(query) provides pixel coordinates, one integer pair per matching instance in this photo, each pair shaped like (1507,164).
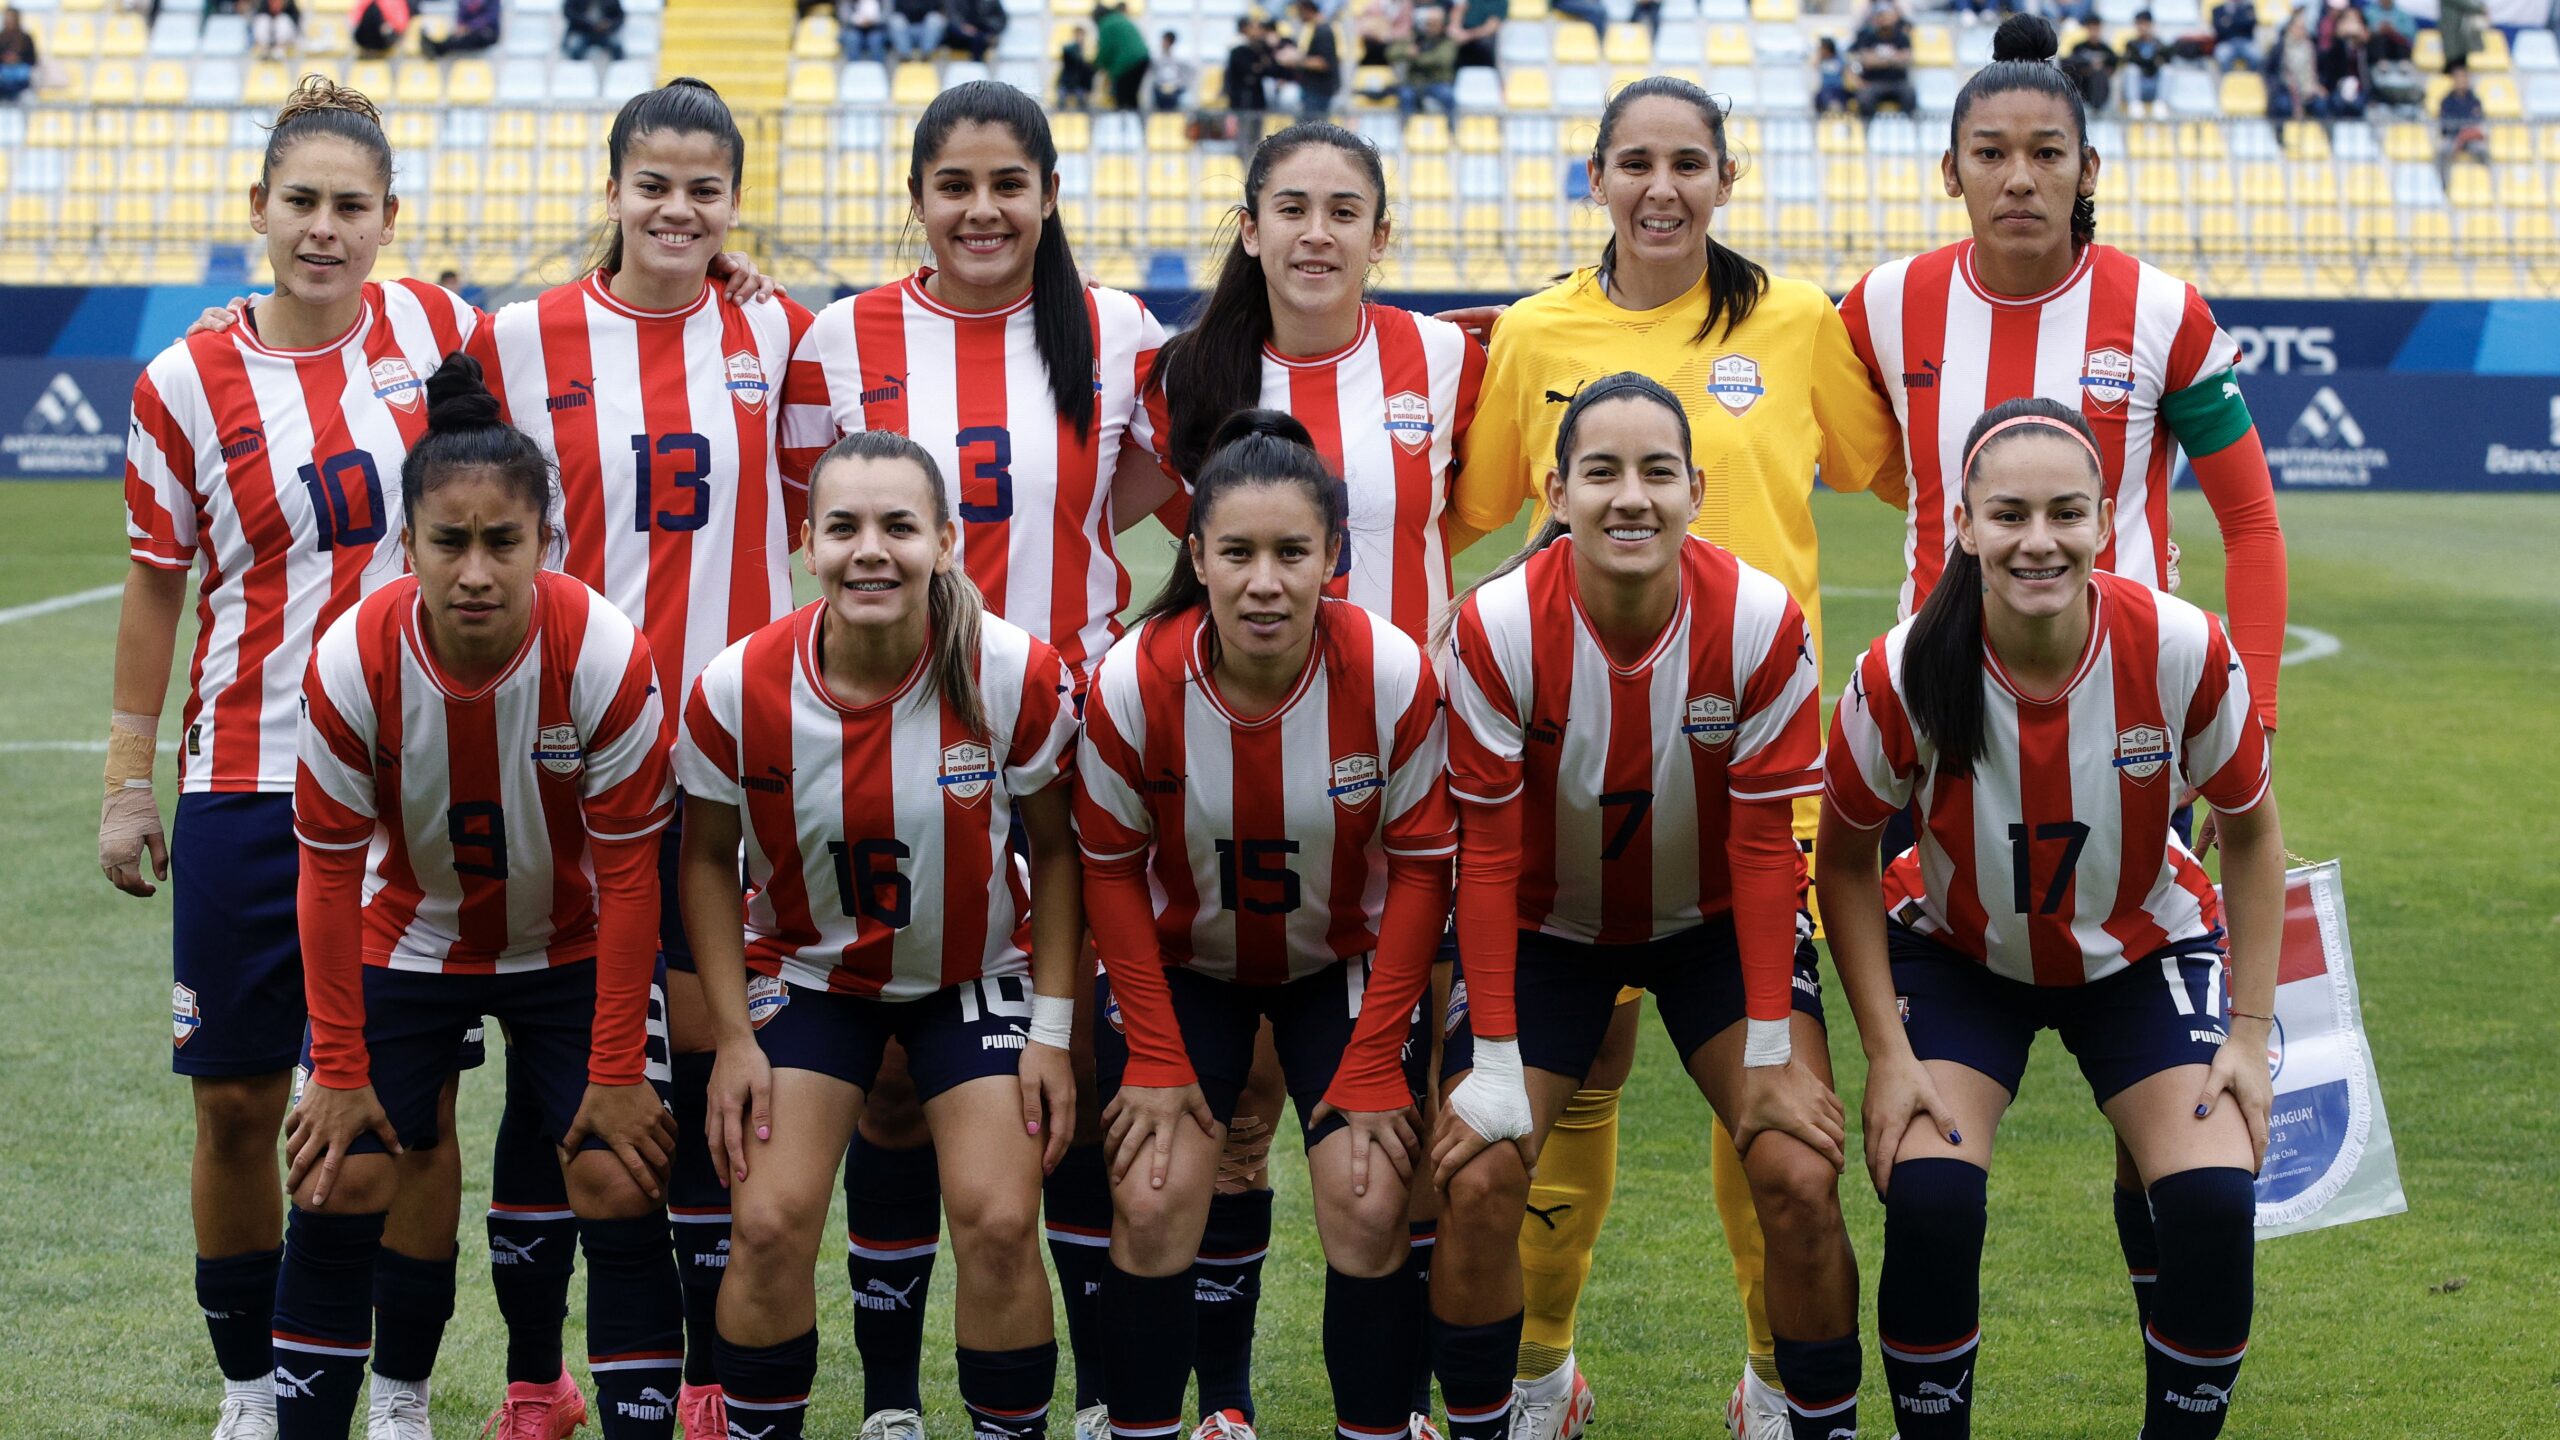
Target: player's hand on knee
(1048,1078)
(631,1122)
(739,1102)
(2239,1072)
(1899,1092)
(1792,1100)
(1142,1120)
(321,1130)
(1375,1133)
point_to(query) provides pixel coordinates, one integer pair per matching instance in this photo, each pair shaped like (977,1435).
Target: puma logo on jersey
(774,781)
(1166,783)
(1547,1217)
(891,388)
(1544,732)
(1559,397)
(1924,378)
(579,395)
(246,441)
(2206,1400)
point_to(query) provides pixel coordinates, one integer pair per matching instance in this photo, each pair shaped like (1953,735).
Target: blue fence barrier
(2400,395)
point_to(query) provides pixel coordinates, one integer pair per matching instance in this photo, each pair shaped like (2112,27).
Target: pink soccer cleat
(537,1412)
(703,1410)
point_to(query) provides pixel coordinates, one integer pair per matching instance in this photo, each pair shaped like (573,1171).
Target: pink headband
(2047,422)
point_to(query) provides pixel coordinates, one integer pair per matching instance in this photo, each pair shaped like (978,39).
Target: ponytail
(956,611)
(2022,58)
(1251,447)
(467,433)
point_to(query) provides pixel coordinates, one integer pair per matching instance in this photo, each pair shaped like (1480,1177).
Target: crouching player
(483,774)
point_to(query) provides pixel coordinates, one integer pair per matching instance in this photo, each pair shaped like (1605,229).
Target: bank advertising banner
(2330,1159)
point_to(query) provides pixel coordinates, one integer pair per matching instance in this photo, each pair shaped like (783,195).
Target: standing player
(274,453)
(1764,371)
(1633,711)
(482,774)
(653,391)
(2046,717)
(915,730)
(1022,383)
(2032,305)
(1387,396)
(1266,834)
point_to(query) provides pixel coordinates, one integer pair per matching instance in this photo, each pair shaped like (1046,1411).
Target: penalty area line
(73,600)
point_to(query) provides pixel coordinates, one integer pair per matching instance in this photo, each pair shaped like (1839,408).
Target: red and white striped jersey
(876,836)
(1032,498)
(2055,862)
(1389,414)
(475,807)
(1270,837)
(2112,339)
(1623,827)
(281,469)
(662,424)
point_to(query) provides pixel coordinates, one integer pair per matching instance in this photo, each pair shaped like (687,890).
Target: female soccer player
(1634,709)
(876,750)
(274,452)
(1766,376)
(1022,383)
(482,774)
(1266,833)
(654,392)
(1387,396)
(2046,717)
(2033,305)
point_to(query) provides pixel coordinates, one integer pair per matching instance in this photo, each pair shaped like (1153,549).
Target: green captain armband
(2207,416)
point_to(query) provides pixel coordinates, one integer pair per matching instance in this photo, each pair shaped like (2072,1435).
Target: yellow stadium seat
(457,172)
(112,82)
(1168,134)
(241,170)
(804,173)
(1728,46)
(1427,135)
(1899,177)
(570,129)
(2159,184)
(197,171)
(2150,140)
(806,132)
(1115,177)
(1535,181)
(1776,12)
(326,37)
(1427,178)
(563,173)
(127,36)
(1840,136)
(1369,84)
(1845,180)
(1574,44)
(1628,44)
(2431,233)
(2306,140)
(470,82)
(1071,132)
(2429,51)
(2244,94)
(2510,144)
(164,82)
(815,39)
(1529,9)
(2547,141)
(1932,48)
(2498,98)
(2492,57)
(913,87)
(2165,227)
(1169,176)
(2408,141)
(112,129)
(2522,189)
(2201,140)
(373,77)
(2218,231)
(207,127)
(72,37)
(417,82)
(508,175)
(813,83)
(1483,222)
(51,126)
(1479,135)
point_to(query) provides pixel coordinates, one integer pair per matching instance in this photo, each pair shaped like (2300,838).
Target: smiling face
(873,542)
(674,199)
(1629,493)
(1316,230)
(1263,554)
(2019,166)
(2033,515)
(475,543)
(325,210)
(1662,176)
(982,206)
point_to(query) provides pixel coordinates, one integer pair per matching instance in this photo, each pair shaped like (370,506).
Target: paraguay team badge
(967,771)
(746,380)
(1734,381)
(557,751)
(1708,722)
(2142,752)
(2107,377)
(1356,778)
(766,995)
(395,383)
(184,1018)
(1409,420)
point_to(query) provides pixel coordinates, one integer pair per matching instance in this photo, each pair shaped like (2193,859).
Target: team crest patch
(2107,376)
(965,771)
(395,383)
(556,749)
(1456,1014)
(1734,381)
(184,1018)
(766,995)
(1355,779)
(1708,722)
(2142,751)
(1111,1016)
(747,384)
(1409,420)
(1902,1007)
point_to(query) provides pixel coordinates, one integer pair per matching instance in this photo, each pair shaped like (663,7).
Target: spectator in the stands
(379,26)
(1249,68)
(862,29)
(1317,66)
(2091,65)
(1169,83)
(1075,72)
(1427,65)
(1120,53)
(2235,35)
(17,56)
(2148,54)
(2462,130)
(2293,72)
(2460,20)
(275,28)
(2395,32)
(475,27)
(915,29)
(593,25)
(2345,70)
(974,26)
(1883,49)
(1476,30)
(1830,77)
(1379,24)
(1594,13)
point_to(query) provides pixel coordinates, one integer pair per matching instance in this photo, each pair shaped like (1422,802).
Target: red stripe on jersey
(1626,809)
(265,587)
(1405,366)
(568,358)
(2133,646)
(986,489)
(394,908)
(1550,705)
(1079,456)
(151,418)
(666,408)
(1260,820)
(1924,337)
(968,860)
(1316,402)
(2040,887)
(1947,810)
(880,338)
(564,815)
(323,385)
(2114,285)
(1351,729)
(471,748)
(765,753)
(870,815)
(1168,744)
(751,430)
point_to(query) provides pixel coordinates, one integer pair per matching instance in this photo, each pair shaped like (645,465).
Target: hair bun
(459,399)
(2025,37)
(1278,424)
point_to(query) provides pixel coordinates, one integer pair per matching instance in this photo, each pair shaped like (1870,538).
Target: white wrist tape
(1766,1042)
(1493,1100)
(1053,1021)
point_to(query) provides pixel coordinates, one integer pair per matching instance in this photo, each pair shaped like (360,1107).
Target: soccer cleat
(893,1425)
(537,1412)
(246,1415)
(1224,1425)
(1553,1417)
(1093,1422)
(398,1415)
(1422,1429)
(1755,1411)
(703,1410)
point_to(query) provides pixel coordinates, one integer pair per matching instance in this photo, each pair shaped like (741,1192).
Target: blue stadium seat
(1479,89)
(628,77)
(2536,50)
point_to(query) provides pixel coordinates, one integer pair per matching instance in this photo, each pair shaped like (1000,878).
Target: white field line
(2315,645)
(59,602)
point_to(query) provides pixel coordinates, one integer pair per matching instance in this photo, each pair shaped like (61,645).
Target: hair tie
(2044,421)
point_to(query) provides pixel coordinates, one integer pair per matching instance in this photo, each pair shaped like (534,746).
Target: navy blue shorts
(415,1021)
(1565,991)
(957,1034)
(2156,1014)
(1311,1024)
(673,948)
(236,1005)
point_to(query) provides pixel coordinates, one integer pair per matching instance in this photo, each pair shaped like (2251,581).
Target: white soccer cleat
(246,1415)
(398,1415)
(1423,1429)
(1224,1425)
(1755,1411)
(893,1425)
(1093,1422)
(1555,1408)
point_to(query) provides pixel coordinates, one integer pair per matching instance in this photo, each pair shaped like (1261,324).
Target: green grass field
(2421,753)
